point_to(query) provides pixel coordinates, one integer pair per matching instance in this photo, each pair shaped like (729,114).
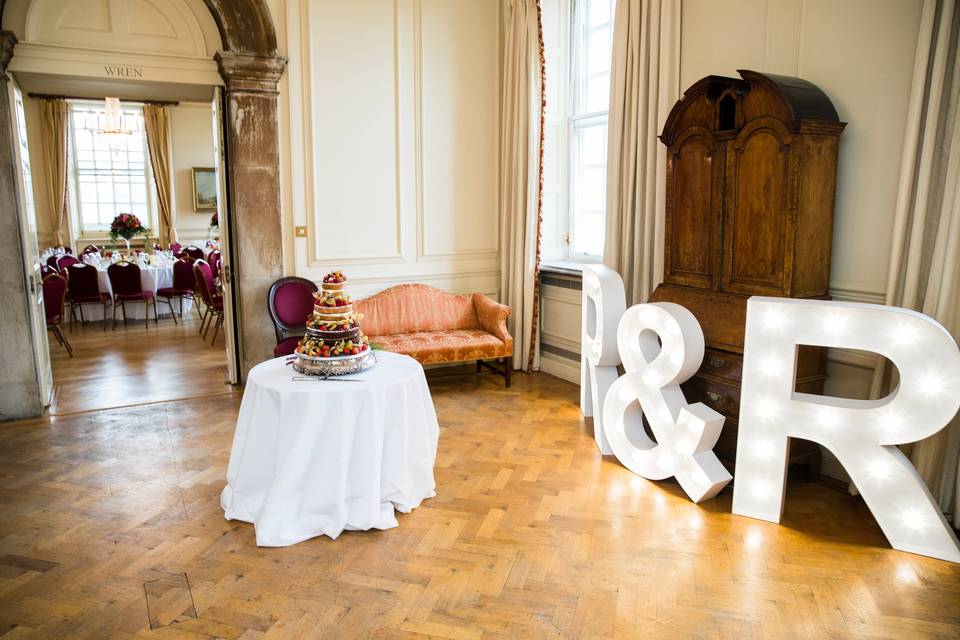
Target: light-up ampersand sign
(685,433)
(604,302)
(861,434)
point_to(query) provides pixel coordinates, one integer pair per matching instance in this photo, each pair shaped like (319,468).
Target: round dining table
(315,456)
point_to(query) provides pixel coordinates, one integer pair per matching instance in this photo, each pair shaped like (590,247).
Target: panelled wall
(393,130)
(860,52)
(191,145)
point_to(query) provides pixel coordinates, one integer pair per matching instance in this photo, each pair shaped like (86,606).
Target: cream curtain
(53,132)
(644,84)
(925,258)
(521,117)
(156,121)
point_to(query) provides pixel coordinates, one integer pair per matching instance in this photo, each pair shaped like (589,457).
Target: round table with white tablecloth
(152,277)
(314,456)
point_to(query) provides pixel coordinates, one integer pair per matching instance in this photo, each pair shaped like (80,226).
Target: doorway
(104,350)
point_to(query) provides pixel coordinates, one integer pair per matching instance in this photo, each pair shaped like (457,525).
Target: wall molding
(560,367)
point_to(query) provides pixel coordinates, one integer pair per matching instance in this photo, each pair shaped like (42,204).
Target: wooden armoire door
(759,199)
(694,210)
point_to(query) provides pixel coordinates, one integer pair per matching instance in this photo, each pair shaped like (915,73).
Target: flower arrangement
(215,220)
(127,226)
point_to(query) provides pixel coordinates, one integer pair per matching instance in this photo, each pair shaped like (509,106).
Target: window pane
(599,12)
(592,191)
(588,238)
(593,145)
(598,93)
(598,51)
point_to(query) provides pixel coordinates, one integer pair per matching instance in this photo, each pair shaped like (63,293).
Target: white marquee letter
(861,434)
(685,433)
(604,302)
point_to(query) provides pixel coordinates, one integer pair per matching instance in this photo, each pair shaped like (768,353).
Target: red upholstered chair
(54,294)
(65,261)
(174,247)
(52,261)
(194,252)
(216,262)
(127,287)
(290,303)
(213,301)
(184,284)
(90,248)
(46,271)
(84,289)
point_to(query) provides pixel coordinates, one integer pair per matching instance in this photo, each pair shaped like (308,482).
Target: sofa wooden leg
(507,368)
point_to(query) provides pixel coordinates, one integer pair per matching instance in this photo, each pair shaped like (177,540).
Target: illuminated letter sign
(862,434)
(661,345)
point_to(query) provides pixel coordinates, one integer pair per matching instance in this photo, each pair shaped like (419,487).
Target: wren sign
(122,71)
(661,345)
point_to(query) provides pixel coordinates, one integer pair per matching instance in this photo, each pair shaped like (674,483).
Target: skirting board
(561,367)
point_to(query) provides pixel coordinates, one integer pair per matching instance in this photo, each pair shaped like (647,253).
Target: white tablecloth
(316,457)
(152,277)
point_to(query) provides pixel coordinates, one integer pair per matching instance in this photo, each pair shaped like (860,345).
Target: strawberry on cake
(334,343)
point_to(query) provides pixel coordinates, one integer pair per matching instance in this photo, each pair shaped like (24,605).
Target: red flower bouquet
(215,220)
(127,226)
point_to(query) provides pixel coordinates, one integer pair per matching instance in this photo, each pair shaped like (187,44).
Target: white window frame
(86,232)
(574,75)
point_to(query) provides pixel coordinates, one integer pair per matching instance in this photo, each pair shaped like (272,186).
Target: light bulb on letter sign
(661,345)
(862,434)
(604,302)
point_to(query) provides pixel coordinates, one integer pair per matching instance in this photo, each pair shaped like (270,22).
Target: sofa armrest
(493,317)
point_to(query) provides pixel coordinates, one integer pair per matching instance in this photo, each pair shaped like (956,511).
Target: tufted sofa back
(407,308)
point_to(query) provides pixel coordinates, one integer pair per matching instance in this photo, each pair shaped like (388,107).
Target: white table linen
(313,458)
(152,278)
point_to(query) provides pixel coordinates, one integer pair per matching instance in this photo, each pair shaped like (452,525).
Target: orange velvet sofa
(436,327)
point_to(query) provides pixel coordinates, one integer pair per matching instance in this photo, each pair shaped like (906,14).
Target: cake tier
(332,287)
(338,366)
(335,335)
(323,312)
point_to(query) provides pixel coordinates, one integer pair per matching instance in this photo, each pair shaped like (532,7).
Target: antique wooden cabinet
(751,175)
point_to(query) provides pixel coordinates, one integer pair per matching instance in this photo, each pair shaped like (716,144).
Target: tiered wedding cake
(334,344)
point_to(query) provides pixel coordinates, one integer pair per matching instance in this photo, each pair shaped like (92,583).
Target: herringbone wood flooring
(110,524)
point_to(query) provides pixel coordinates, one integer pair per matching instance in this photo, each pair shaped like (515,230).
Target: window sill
(563,267)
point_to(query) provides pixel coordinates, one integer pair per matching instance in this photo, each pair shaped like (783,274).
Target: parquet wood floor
(135,365)
(110,524)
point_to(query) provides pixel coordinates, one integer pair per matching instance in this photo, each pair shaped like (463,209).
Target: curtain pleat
(644,85)
(156,120)
(521,148)
(53,131)
(924,272)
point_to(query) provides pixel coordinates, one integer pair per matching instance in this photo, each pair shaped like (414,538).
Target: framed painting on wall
(204,189)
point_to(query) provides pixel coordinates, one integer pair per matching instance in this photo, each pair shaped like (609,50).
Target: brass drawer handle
(716,361)
(713,396)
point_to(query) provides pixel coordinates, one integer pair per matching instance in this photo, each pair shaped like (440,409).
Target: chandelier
(113,128)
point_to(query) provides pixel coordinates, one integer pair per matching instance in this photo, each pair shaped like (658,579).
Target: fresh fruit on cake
(334,343)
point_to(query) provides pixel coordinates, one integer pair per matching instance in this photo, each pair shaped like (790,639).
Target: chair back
(84,282)
(183,277)
(125,278)
(64,262)
(215,259)
(290,303)
(54,292)
(205,281)
(46,271)
(52,261)
(194,252)
(175,247)
(90,249)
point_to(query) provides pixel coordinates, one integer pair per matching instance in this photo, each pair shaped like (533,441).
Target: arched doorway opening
(250,68)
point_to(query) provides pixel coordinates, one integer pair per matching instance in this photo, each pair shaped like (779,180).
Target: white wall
(191,134)
(392,141)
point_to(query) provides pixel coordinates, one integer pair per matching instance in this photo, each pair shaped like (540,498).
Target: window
(578,38)
(110,173)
